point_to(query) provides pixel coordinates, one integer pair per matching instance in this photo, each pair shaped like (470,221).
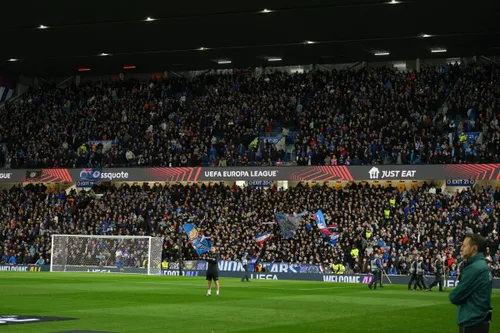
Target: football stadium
(286,166)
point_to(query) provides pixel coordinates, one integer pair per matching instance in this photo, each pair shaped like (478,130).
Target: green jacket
(473,293)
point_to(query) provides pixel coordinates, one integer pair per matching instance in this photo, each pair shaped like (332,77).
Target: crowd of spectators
(394,222)
(367,116)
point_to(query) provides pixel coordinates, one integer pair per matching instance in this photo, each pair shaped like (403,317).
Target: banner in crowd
(200,243)
(237,266)
(278,141)
(106,145)
(472,137)
(270,174)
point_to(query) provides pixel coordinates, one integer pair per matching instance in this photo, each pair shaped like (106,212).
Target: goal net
(106,254)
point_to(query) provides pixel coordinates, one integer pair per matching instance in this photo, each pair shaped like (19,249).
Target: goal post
(106,254)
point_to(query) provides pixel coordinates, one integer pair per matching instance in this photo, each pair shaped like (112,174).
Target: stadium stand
(445,114)
(418,220)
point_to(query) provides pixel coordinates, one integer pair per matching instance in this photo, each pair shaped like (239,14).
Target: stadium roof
(55,38)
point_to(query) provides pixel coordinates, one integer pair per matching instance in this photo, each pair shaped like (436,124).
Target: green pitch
(124,303)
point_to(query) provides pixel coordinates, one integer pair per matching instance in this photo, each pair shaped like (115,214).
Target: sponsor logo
(94,270)
(376,173)
(90,174)
(33,175)
(114,175)
(451,283)
(16,319)
(242,174)
(6,175)
(263,277)
(89,177)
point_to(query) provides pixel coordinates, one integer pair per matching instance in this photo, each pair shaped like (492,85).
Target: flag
(324,229)
(320,221)
(289,223)
(261,238)
(333,239)
(200,243)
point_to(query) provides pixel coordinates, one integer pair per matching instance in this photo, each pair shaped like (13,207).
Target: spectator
(339,117)
(12,259)
(233,215)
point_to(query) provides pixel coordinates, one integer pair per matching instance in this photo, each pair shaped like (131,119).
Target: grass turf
(125,303)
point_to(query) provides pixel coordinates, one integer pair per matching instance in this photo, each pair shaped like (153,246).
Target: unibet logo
(5,175)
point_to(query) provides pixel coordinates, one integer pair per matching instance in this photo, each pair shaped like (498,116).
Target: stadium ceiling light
(394,2)
(41,27)
(426,36)
(104,54)
(265,11)
(149,19)
(223,62)
(202,49)
(382,53)
(439,50)
(274,59)
(13,60)
(309,42)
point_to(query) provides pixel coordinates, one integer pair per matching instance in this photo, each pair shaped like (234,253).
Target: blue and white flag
(200,243)
(333,239)
(289,223)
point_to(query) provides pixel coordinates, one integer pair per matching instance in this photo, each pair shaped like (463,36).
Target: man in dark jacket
(245,262)
(413,272)
(420,268)
(473,293)
(212,270)
(376,266)
(438,272)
